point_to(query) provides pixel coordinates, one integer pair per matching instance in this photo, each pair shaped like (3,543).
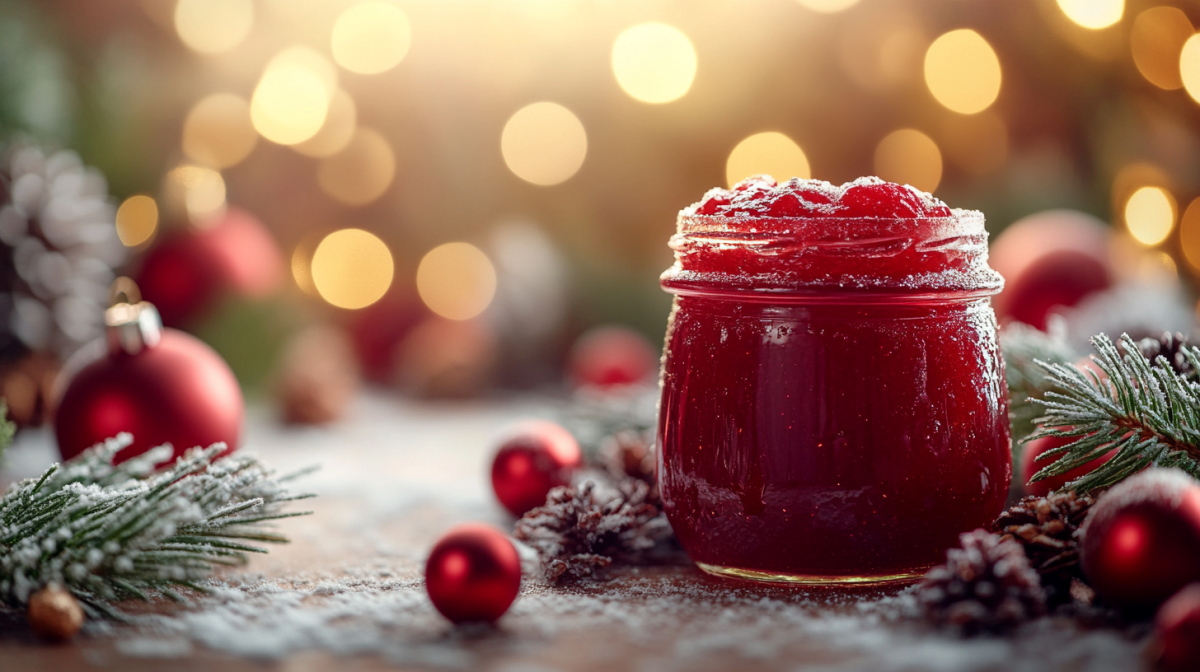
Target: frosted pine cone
(58,248)
(1169,346)
(986,585)
(1046,528)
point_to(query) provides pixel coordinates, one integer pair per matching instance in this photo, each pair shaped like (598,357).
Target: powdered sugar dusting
(760,196)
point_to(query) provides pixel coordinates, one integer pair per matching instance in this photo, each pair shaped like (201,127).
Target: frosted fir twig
(1024,347)
(1146,411)
(108,532)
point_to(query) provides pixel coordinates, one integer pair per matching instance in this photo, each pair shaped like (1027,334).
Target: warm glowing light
(908,156)
(1150,215)
(292,98)
(1189,234)
(217,131)
(213,26)
(654,62)
(352,268)
(1156,41)
(456,281)
(827,6)
(361,172)
(302,257)
(371,37)
(962,71)
(337,130)
(769,153)
(1093,14)
(544,143)
(137,219)
(1189,66)
(200,190)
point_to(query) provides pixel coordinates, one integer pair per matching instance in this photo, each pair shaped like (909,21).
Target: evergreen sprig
(109,532)
(1144,410)
(1024,347)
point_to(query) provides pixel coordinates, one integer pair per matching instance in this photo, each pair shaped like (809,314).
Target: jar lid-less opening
(826,254)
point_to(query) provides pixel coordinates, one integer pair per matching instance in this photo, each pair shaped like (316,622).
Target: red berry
(1178,625)
(1141,541)
(473,573)
(1030,465)
(538,457)
(611,356)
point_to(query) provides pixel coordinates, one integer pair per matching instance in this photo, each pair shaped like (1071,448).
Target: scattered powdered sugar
(760,196)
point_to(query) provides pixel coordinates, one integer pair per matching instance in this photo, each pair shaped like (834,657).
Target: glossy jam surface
(833,400)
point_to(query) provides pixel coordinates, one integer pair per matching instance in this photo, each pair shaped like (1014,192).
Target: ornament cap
(133,325)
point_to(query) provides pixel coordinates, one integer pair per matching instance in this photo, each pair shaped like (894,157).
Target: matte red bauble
(612,356)
(1049,259)
(1178,625)
(473,574)
(1141,541)
(1030,466)
(538,456)
(160,385)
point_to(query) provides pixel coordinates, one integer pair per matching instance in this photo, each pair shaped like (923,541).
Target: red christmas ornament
(612,356)
(1141,541)
(1030,466)
(473,573)
(1049,259)
(185,273)
(160,385)
(538,456)
(1178,625)
(378,332)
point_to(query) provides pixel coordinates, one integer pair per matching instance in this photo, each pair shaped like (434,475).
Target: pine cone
(1046,527)
(1169,346)
(629,454)
(986,585)
(581,529)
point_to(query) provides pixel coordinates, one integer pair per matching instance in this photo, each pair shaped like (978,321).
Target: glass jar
(834,408)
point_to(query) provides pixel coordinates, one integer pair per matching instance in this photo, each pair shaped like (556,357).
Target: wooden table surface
(347,593)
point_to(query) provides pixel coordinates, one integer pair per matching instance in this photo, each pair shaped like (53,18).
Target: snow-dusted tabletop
(347,594)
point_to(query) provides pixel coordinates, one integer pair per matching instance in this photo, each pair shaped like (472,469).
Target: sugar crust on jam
(761,196)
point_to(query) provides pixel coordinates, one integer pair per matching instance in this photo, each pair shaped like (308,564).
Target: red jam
(833,400)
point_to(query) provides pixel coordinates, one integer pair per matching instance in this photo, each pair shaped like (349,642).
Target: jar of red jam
(833,407)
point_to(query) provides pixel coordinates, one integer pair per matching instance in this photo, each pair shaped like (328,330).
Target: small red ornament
(612,356)
(1030,465)
(538,456)
(473,573)
(160,385)
(1178,625)
(1141,541)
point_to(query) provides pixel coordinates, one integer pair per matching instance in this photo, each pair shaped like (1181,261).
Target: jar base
(910,576)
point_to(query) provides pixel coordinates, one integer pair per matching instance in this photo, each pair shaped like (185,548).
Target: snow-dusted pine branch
(110,532)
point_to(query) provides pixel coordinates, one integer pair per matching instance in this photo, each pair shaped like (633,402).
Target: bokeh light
(217,132)
(213,26)
(1189,66)
(770,153)
(827,6)
(1189,234)
(292,98)
(962,71)
(1093,14)
(352,268)
(301,263)
(908,156)
(1156,40)
(1150,215)
(544,143)
(371,37)
(361,172)
(654,62)
(336,132)
(137,220)
(199,190)
(456,281)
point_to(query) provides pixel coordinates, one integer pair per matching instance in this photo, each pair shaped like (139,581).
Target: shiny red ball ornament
(1030,465)
(1178,630)
(1141,540)
(537,457)
(473,573)
(160,385)
(1050,259)
(612,356)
